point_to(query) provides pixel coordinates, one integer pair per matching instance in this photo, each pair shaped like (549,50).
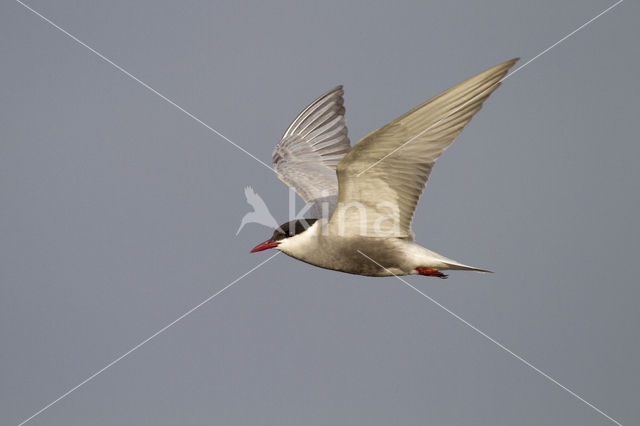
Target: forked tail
(463,267)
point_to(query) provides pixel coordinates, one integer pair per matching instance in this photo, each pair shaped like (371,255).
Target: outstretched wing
(310,150)
(384,174)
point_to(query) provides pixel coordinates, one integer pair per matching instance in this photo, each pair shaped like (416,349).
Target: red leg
(429,272)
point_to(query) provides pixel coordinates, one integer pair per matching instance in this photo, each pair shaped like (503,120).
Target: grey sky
(118,213)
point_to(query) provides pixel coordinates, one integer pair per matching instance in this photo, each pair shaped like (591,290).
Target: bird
(363,198)
(260,213)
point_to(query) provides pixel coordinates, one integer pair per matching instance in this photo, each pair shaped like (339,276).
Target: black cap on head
(289,229)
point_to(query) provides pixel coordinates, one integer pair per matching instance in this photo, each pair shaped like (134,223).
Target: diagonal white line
(162,330)
(137,80)
(500,345)
(490,87)
(562,39)
(106,59)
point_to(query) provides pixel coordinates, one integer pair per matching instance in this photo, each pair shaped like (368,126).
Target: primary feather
(311,148)
(387,170)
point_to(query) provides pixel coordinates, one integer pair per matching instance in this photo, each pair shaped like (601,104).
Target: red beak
(264,246)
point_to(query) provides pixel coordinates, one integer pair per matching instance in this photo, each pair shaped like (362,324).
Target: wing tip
(507,65)
(337,89)
(501,68)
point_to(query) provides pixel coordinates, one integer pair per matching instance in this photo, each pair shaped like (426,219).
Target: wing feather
(310,150)
(387,170)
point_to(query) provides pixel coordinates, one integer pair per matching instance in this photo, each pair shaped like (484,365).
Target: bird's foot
(429,272)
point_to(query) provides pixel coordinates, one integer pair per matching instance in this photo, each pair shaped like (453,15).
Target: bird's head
(283,232)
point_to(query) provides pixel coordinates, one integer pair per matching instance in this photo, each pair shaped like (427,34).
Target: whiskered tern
(363,197)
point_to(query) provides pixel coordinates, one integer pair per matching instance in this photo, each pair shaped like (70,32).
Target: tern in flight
(363,198)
